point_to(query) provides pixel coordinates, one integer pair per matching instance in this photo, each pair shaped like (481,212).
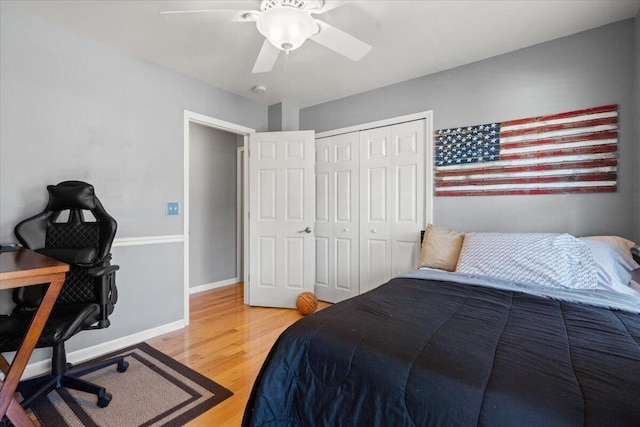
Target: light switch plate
(173,208)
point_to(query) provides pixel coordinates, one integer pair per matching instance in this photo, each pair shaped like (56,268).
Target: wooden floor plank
(227,342)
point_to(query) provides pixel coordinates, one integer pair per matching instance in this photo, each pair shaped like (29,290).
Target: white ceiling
(409,39)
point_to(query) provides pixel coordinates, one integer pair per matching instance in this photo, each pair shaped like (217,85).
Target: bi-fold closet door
(369,207)
(392,201)
(337,217)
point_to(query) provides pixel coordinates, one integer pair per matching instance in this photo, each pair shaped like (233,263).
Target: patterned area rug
(156,390)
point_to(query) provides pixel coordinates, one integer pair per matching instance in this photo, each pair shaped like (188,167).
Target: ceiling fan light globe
(286,27)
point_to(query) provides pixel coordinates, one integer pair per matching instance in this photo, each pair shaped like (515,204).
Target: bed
(468,348)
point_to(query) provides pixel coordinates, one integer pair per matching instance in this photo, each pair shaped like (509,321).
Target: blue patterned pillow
(543,259)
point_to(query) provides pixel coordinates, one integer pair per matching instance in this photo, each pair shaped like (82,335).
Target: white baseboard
(208,286)
(44,366)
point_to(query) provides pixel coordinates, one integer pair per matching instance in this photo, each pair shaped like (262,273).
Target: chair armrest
(102,271)
(105,291)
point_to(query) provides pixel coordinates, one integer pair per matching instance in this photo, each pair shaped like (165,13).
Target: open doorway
(211,224)
(213,213)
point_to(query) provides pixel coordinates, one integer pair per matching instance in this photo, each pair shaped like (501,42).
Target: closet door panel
(344,266)
(370,207)
(408,218)
(392,192)
(377,203)
(337,163)
(407,194)
(377,178)
(323,225)
(322,197)
(347,216)
(343,190)
(378,264)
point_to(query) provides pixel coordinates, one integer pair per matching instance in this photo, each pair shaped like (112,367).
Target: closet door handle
(374,231)
(345,229)
(306,230)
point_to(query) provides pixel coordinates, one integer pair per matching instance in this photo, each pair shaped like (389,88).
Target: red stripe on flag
(595,110)
(560,126)
(610,189)
(562,140)
(537,167)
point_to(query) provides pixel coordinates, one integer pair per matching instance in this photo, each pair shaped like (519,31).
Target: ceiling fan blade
(226,6)
(206,15)
(266,58)
(341,42)
(188,12)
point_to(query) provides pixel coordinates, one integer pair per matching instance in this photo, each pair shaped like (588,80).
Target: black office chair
(89,292)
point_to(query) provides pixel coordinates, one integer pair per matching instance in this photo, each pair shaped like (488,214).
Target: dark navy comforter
(430,353)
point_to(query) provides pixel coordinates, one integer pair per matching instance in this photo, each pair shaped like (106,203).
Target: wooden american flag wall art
(573,152)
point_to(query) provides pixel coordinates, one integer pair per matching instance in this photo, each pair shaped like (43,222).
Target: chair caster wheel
(104,400)
(122,366)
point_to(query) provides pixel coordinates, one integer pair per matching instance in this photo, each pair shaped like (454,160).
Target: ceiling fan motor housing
(299,4)
(286,23)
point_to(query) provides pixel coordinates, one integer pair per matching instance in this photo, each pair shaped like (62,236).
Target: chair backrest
(82,243)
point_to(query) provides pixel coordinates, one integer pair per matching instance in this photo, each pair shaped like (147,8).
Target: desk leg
(17,415)
(4,365)
(24,353)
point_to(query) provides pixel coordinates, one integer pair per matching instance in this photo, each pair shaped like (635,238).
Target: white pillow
(614,265)
(541,259)
(621,242)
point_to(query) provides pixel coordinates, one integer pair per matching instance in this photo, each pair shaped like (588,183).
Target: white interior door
(281,217)
(376,196)
(409,202)
(392,168)
(337,217)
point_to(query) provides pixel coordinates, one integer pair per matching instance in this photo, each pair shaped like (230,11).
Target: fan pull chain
(286,60)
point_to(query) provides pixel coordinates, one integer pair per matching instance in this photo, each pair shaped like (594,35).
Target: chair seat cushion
(73,256)
(63,323)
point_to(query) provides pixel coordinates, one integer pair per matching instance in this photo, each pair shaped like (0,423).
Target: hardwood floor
(226,341)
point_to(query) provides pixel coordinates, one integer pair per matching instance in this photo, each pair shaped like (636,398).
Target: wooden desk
(24,267)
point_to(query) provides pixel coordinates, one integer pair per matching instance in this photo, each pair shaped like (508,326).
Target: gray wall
(584,70)
(212,205)
(283,117)
(72,108)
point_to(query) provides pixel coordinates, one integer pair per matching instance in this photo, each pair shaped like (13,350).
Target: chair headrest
(71,195)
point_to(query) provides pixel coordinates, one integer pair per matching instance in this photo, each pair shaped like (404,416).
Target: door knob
(306,230)
(345,229)
(374,231)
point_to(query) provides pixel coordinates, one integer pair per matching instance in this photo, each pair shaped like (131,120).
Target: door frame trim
(201,119)
(239,209)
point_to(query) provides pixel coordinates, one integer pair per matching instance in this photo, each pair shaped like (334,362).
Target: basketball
(307,303)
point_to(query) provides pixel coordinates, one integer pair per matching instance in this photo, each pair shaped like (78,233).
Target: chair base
(40,386)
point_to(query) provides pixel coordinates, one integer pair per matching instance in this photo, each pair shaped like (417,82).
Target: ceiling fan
(287,24)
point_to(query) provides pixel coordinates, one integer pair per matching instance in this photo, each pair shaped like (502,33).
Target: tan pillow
(621,242)
(440,248)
